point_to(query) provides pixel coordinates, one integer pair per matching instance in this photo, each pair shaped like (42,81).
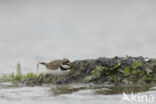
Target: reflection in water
(65,90)
(125,89)
(70,93)
(98,89)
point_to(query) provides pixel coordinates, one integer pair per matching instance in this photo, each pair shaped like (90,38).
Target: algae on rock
(111,71)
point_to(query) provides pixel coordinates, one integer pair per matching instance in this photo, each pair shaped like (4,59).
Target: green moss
(30,75)
(12,75)
(148,71)
(126,71)
(134,72)
(96,73)
(141,72)
(88,78)
(136,64)
(99,70)
(116,66)
(18,75)
(18,71)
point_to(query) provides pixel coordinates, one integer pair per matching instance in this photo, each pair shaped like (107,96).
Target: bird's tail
(43,63)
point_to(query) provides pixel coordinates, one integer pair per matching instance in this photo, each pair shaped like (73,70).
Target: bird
(58,66)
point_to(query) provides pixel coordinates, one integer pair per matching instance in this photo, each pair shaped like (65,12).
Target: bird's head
(65,61)
(65,64)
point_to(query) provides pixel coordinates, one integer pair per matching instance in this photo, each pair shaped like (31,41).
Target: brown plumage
(63,64)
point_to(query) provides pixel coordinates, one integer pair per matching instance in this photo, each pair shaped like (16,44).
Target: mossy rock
(112,71)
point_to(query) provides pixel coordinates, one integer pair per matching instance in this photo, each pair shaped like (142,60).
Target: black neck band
(62,68)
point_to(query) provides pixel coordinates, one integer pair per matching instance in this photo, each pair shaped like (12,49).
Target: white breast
(65,66)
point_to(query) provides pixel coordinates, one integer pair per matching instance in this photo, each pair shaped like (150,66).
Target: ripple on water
(60,95)
(42,95)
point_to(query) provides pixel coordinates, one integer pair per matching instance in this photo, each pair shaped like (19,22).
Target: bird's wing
(55,64)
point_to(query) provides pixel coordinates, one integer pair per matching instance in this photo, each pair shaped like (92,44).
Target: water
(31,31)
(42,95)
(62,95)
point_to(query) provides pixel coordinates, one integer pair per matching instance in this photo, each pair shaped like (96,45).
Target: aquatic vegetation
(135,72)
(116,66)
(4,77)
(133,69)
(18,72)
(30,75)
(136,64)
(88,78)
(13,76)
(18,75)
(126,71)
(99,70)
(96,73)
(148,70)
